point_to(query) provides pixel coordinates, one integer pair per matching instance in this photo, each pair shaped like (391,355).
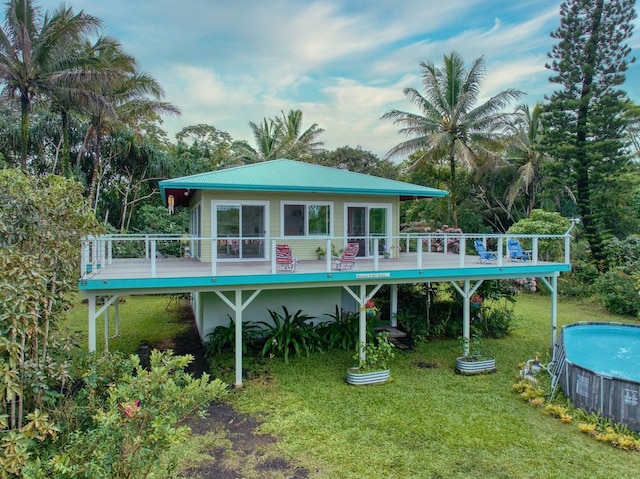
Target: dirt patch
(242,452)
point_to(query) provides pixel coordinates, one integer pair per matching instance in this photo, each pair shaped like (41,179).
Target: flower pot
(467,366)
(358,377)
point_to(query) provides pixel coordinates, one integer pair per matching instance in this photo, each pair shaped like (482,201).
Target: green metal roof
(295,176)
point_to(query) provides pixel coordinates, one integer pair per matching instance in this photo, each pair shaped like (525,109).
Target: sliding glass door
(240,229)
(364,223)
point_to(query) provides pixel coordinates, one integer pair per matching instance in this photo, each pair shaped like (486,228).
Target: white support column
(554,309)
(105,315)
(116,307)
(238,307)
(466,292)
(393,304)
(238,342)
(362,337)
(92,323)
(466,318)
(553,289)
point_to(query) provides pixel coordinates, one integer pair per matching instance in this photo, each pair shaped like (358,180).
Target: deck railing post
(146,246)
(214,257)
(273,256)
(420,244)
(567,249)
(462,250)
(445,246)
(500,250)
(110,251)
(534,250)
(376,254)
(328,254)
(153,258)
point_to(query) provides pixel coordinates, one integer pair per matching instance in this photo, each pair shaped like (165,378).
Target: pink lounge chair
(348,258)
(284,258)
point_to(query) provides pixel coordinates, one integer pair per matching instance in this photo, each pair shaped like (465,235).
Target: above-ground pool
(602,369)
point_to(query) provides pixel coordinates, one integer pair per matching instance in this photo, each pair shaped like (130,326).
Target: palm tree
(35,56)
(126,93)
(450,120)
(297,144)
(282,138)
(525,154)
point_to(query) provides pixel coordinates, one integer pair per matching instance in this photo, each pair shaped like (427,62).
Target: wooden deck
(409,267)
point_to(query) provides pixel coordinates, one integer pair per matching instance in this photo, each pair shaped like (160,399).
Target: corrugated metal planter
(356,377)
(467,367)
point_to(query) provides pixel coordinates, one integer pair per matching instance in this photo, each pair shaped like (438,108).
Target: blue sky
(343,63)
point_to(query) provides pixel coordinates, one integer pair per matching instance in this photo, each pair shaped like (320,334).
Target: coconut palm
(296,143)
(35,56)
(281,137)
(525,154)
(450,119)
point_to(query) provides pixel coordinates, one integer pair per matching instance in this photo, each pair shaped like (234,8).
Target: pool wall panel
(615,398)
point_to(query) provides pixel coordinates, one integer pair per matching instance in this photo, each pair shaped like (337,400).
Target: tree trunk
(24,130)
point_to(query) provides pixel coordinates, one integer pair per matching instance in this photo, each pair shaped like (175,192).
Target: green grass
(430,422)
(427,422)
(142,318)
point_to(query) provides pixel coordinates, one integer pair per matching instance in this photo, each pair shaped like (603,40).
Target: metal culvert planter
(357,377)
(469,367)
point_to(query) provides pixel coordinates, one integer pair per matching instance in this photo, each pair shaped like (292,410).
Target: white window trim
(330,204)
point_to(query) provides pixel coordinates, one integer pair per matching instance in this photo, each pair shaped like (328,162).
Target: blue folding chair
(516,253)
(485,256)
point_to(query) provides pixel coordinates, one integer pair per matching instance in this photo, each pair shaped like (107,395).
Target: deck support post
(393,304)
(92,323)
(361,298)
(238,307)
(552,285)
(466,292)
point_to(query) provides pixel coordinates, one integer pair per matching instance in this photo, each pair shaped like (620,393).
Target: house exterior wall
(303,247)
(211,311)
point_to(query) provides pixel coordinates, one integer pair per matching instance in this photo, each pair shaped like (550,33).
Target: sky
(344,63)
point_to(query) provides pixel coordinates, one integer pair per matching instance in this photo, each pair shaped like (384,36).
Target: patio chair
(284,258)
(516,253)
(347,260)
(485,256)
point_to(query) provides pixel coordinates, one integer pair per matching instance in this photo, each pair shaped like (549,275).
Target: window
(310,219)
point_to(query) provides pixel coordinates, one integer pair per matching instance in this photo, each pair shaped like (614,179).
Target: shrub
(121,418)
(617,292)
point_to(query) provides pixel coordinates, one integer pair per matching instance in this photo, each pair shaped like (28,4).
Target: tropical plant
(131,97)
(451,123)
(473,349)
(342,330)
(525,154)
(122,420)
(37,56)
(223,338)
(281,137)
(375,355)
(289,334)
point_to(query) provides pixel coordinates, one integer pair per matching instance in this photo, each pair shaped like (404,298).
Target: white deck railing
(101,252)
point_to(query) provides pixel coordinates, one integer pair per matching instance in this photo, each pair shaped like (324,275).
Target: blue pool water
(606,349)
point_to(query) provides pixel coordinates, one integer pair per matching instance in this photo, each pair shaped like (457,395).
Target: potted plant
(320,252)
(375,366)
(477,360)
(370,308)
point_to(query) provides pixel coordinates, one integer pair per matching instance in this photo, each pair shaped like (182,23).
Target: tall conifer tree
(585,116)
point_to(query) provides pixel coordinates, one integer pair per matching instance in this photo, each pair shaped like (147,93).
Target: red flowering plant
(370,306)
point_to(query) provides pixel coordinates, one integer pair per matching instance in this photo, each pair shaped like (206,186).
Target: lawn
(427,422)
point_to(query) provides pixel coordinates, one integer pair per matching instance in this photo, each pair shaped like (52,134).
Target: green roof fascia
(295,176)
